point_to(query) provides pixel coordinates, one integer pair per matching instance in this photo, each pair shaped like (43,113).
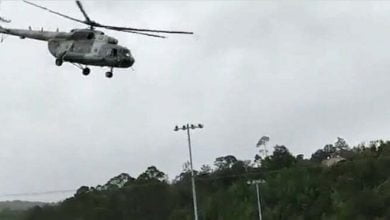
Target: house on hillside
(332,161)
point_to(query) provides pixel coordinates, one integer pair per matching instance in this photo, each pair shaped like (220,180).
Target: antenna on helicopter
(93,24)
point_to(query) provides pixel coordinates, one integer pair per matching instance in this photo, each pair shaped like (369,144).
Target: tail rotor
(5,20)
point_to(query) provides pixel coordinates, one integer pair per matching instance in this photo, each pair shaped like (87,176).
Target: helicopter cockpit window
(125,53)
(114,52)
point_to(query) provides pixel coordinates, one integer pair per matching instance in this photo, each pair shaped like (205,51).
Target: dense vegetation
(13,210)
(294,188)
(19,205)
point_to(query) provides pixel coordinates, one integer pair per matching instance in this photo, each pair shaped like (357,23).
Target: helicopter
(88,46)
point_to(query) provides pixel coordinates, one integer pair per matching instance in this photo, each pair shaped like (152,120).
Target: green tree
(280,158)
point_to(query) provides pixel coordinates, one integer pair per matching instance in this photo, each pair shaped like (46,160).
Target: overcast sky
(302,73)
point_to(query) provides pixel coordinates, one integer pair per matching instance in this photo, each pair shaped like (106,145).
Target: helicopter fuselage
(80,46)
(87,46)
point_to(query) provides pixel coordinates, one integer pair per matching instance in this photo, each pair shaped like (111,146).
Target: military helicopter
(87,47)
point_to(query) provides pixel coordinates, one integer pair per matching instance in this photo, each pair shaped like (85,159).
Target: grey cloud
(302,73)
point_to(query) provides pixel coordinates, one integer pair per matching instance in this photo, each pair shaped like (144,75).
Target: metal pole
(192,175)
(258,200)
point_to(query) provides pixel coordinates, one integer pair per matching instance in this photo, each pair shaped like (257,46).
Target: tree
(294,188)
(262,151)
(82,190)
(152,174)
(326,152)
(341,144)
(225,162)
(281,158)
(263,141)
(205,170)
(330,149)
(319,156)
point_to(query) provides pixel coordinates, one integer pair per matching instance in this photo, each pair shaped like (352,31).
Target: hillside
(19,205)
(294,188)
(16,210)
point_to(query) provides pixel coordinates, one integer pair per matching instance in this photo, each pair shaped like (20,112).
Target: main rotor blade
(83,11)
(91,23)
(135,32)
(142,30)
(54,12)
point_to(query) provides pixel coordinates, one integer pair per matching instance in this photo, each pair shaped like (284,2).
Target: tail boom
(36,35)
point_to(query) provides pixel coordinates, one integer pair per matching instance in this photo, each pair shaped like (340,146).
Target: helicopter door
(82,46)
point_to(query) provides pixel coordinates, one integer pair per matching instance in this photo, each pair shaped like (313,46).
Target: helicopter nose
(132,61)
(128,62)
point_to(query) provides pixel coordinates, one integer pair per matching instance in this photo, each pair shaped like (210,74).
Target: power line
(37,193)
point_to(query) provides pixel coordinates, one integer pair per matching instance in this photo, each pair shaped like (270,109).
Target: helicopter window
(114,52)
(91,36)
(125,52)
(83,35)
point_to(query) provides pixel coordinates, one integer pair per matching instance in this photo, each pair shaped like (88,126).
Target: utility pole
(187,128)
(257,182)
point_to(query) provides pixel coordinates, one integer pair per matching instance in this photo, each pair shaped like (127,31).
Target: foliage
(8,214)
(294,188)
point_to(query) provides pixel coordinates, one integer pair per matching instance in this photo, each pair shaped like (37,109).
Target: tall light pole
(257,182)
(187,128)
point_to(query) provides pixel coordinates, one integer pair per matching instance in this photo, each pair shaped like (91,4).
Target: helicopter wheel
(86,71)
(59,62)
(109,74)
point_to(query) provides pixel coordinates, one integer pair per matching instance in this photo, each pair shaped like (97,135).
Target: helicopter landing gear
(59,62)
(86,71)
(60,59)
(110,74)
